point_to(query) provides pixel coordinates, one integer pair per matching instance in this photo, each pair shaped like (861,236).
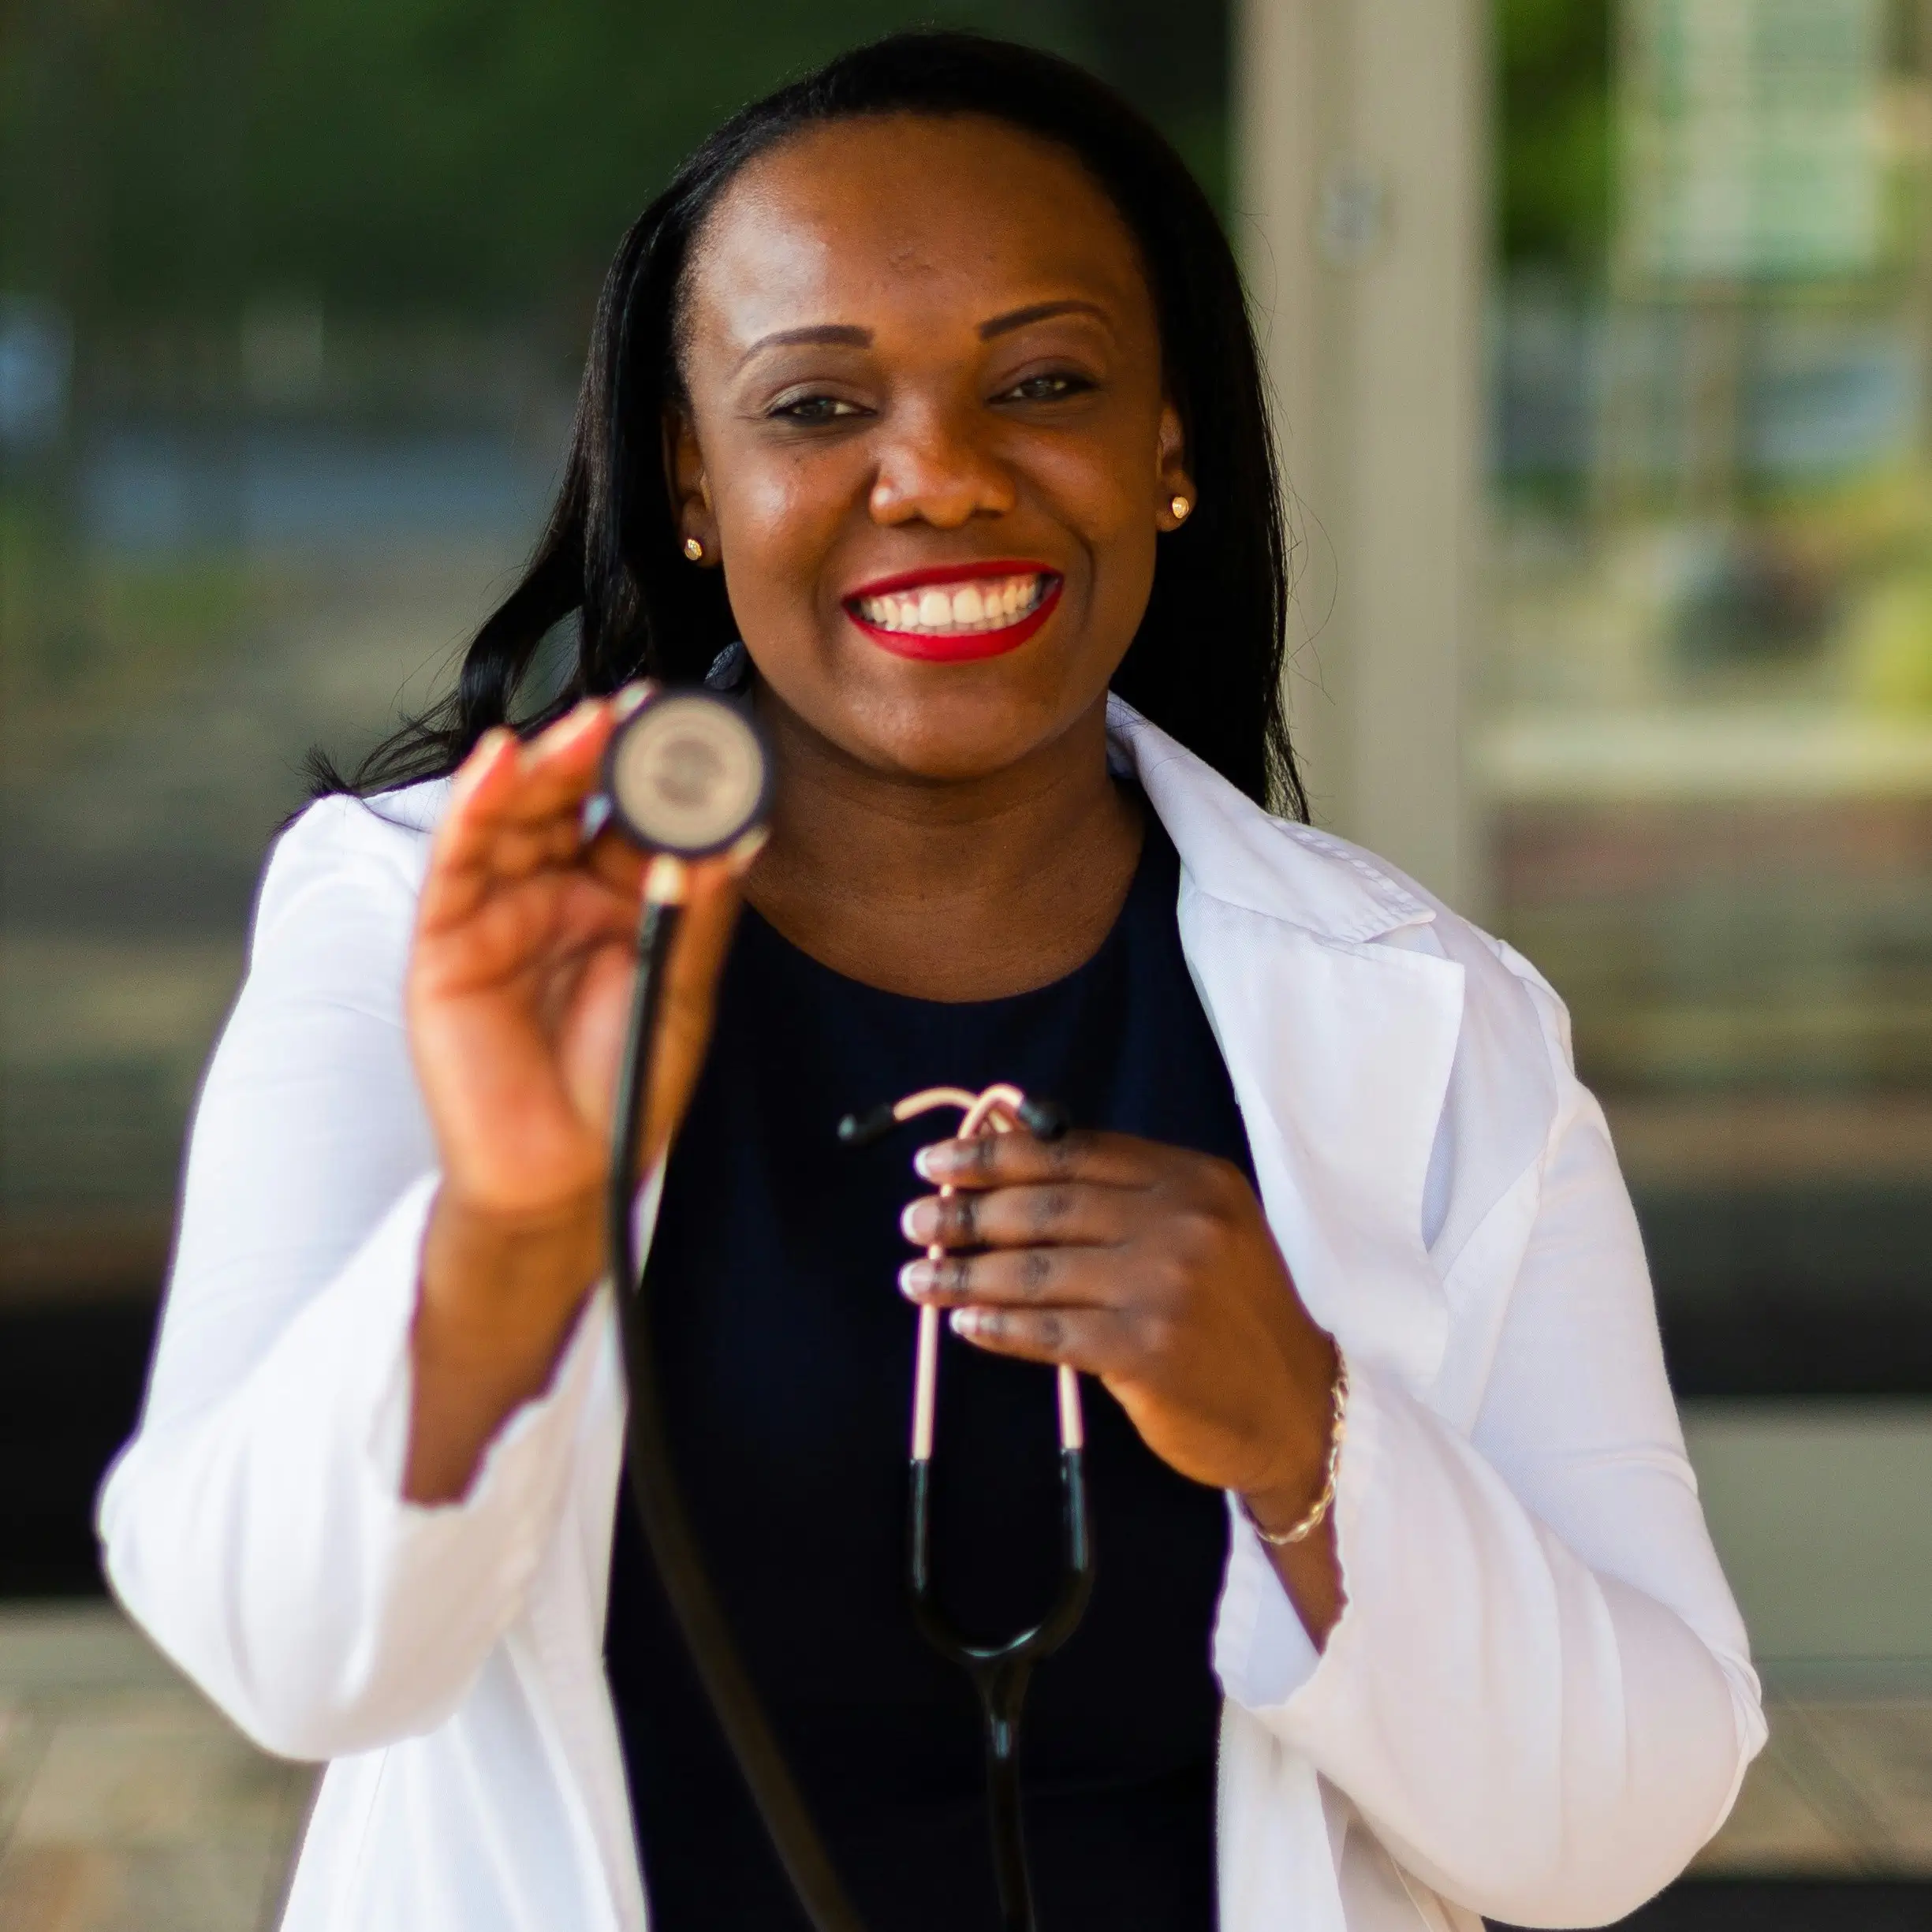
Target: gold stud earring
(694,549)
(1180,506)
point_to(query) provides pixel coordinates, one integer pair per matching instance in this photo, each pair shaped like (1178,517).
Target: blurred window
(1708,745)
(291,313)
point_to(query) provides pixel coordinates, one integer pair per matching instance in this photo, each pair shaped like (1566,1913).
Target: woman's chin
(928,722)
(963,738)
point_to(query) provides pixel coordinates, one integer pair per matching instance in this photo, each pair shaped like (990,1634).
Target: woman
(929,378)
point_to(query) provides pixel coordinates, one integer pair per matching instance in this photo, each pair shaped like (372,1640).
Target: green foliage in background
(475,155)
(1553,132)
(183,156)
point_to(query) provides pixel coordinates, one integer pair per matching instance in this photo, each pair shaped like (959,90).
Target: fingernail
(478,765)
(571,725)
(667,879)
(742,856)
(940,1162)
(917,1278)
(630,697)
(965,1322)
(920,1221)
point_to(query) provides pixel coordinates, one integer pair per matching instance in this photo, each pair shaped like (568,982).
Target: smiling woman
(922,417)
(1110,309)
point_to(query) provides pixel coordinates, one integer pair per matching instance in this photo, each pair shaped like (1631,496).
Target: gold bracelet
(1338,1433)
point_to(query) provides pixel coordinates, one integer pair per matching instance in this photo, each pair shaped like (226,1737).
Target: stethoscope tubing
(999,1672)
(654,1489)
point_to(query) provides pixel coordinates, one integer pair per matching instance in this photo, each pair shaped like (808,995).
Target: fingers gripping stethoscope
(685,776)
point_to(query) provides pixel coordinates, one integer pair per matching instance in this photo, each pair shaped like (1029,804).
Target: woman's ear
(691,492)
(1175,485)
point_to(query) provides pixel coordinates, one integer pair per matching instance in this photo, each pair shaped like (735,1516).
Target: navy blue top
(787,1358)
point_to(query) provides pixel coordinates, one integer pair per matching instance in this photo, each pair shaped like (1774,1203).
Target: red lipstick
(956,647)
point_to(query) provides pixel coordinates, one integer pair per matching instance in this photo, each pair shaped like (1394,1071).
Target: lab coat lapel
(1339,1048)
(1340,1056)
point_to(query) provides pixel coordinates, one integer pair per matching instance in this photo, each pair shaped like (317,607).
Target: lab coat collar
(1232,849)
(1340,1050)
(1237,853)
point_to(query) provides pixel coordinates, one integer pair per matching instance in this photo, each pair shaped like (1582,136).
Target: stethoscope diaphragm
(686,773)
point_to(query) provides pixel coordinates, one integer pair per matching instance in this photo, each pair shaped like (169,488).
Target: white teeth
(946,610)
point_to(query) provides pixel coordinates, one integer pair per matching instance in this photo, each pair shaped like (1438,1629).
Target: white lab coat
(1537,1705)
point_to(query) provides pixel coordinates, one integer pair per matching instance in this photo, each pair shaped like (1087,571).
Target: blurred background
(1602,334)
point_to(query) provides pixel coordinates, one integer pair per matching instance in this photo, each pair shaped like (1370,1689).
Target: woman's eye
(1047,389)
(809,409)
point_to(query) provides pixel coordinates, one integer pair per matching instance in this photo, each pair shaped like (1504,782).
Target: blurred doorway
(1602,331)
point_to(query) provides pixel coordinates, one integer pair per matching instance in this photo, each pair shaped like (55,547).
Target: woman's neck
(965,891)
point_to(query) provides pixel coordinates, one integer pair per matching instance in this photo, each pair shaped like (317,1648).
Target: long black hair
(1206,663)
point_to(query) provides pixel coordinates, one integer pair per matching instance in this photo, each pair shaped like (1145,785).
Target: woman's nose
(935,469)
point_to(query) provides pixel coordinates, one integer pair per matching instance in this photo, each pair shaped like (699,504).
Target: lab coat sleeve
(1538,1696)
(254,1526)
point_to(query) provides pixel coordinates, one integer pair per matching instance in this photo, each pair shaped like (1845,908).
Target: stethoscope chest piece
(686,773)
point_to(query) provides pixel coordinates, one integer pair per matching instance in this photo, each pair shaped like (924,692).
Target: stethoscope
(685,776)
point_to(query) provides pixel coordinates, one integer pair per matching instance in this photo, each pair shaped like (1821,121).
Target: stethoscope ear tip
(861,1130)
(1046,1120)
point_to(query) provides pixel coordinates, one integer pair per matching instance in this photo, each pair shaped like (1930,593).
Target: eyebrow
(1039,311)
(847,334)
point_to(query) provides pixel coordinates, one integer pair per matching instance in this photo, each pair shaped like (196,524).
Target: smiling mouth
(975,612)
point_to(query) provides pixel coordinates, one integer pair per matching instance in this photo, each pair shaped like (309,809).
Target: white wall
(1361,213)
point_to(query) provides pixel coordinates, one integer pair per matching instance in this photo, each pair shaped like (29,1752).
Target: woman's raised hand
(1154,1269)
(517,998)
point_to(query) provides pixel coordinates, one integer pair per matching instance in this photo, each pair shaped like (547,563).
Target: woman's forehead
(962,212)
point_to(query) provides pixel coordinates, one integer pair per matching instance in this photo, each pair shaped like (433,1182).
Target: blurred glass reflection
(1709,751)
(291,312)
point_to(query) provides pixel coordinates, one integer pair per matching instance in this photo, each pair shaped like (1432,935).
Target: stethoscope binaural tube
(686,776)
(999,1672)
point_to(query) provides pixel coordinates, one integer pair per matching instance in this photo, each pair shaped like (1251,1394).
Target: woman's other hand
(517,1000)
(1154,1269)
